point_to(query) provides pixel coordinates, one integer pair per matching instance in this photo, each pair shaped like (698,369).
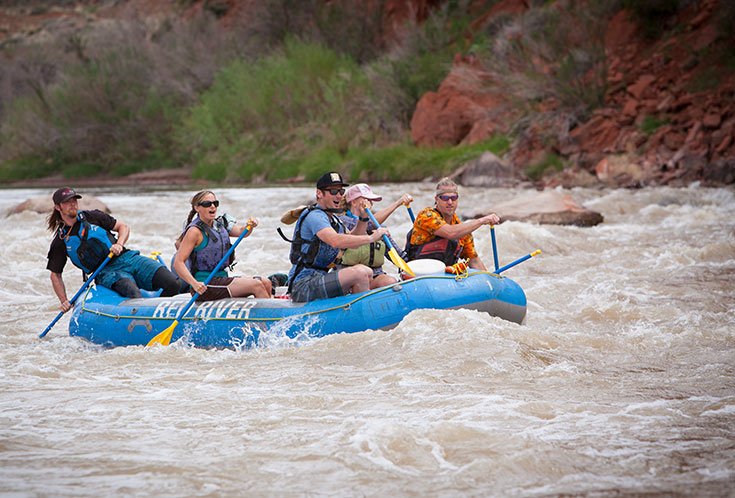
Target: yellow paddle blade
(399,262)
(164,338)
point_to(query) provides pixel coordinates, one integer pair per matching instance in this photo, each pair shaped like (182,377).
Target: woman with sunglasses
(204,242)
(437,232)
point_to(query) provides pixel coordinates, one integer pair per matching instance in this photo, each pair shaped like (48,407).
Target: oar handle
(410,213)
(247,230)
(79,292)
(519,260)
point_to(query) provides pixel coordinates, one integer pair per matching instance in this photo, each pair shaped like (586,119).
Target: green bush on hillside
(298,99)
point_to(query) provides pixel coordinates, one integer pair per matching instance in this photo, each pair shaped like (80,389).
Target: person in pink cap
(372,255)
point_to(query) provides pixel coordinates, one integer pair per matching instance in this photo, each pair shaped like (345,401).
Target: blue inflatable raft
(103,317)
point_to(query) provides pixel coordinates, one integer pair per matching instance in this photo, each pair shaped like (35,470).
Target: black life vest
(306,259)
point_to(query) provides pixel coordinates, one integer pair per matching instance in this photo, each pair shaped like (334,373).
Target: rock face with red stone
(670,130)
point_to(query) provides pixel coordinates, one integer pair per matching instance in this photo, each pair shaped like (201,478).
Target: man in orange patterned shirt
(438,234)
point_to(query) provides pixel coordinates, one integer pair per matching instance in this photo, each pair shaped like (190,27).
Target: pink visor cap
(361,190)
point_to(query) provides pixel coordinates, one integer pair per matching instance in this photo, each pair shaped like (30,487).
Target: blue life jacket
(218,243)
(89,246)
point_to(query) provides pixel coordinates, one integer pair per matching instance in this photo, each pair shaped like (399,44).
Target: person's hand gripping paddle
(79,292)
(164,338)
(391,250)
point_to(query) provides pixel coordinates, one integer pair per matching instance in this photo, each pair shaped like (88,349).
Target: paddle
(410,213)
(164,338)
(157,255)
(391,250)
(495,248)
(79,292)
(519,260)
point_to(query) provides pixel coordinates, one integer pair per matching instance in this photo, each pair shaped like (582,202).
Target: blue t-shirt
(316,220)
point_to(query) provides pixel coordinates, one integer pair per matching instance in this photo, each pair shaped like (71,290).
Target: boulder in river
(548,207)
(44,204)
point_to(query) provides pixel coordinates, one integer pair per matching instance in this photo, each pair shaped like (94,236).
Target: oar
(164,338)
(79,292)
(519,260)
(392,250)
(410,213)
(495,248)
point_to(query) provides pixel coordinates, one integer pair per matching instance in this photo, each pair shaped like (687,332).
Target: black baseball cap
(64,194)
(329,179)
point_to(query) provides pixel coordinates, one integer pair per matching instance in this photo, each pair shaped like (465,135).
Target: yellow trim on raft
(346,305)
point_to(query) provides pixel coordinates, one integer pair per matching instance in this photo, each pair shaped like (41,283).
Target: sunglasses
(446,198)
(206,204)
(334,191)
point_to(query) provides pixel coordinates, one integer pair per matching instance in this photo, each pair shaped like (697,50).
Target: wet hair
(194,201)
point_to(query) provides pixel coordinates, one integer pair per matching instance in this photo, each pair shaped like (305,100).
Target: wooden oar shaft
(79,293)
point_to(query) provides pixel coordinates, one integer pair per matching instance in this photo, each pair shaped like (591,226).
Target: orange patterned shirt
(429,220)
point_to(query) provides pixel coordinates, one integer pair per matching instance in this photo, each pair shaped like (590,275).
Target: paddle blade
(399,262)
(164,338)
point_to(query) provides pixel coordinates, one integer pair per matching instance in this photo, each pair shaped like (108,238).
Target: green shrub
(302,97)
(652,123)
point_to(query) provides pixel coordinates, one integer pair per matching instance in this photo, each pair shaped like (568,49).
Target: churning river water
(620,383)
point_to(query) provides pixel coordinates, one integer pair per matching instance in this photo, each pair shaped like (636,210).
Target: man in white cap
(86,238)
(317,239)
(437,232)
(373,254)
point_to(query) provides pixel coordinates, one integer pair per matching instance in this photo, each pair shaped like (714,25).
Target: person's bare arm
(57,282)
(454,232)
(237,230)
(191,240)
(384,213)
(348,241)
(123,232)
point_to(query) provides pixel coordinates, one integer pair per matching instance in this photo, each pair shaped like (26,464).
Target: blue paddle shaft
(216,269)
(79,293)
(377,225)
(495,248)
(410,213)
(510,265)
